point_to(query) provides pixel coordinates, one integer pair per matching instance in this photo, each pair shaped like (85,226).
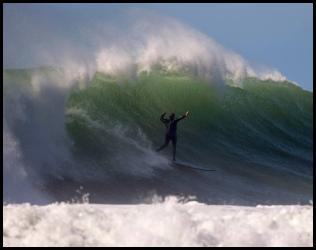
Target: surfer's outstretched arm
(182,117)
(163,119)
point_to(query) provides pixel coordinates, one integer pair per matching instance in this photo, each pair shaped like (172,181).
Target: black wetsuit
(171,134)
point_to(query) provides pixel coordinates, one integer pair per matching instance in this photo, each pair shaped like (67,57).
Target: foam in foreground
(169,223)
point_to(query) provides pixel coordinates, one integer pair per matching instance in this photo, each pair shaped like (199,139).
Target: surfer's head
(171,117)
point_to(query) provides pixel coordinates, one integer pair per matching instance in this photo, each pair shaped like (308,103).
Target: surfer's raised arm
(182,117)
(162,118)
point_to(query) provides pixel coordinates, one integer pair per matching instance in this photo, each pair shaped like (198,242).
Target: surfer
(171,134)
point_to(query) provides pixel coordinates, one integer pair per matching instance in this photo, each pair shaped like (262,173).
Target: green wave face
(264,121)
(258,137)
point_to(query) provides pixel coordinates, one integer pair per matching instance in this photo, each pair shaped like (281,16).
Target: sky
(277,35)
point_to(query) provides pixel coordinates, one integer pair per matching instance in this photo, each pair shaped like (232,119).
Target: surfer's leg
(167,139)
(174,144)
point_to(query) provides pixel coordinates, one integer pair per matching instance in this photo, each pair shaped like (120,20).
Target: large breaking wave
(103,136)
(92,120)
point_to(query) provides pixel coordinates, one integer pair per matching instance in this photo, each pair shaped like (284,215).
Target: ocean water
(80,137)
(169,223)
(103,136)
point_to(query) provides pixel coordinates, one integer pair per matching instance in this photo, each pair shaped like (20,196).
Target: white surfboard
(188,165)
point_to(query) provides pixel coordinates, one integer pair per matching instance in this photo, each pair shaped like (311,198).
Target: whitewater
(169,223)
(79,139)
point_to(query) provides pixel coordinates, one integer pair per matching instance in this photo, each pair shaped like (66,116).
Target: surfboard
(186,165)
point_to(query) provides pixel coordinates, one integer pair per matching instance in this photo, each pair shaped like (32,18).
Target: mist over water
(129,42)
